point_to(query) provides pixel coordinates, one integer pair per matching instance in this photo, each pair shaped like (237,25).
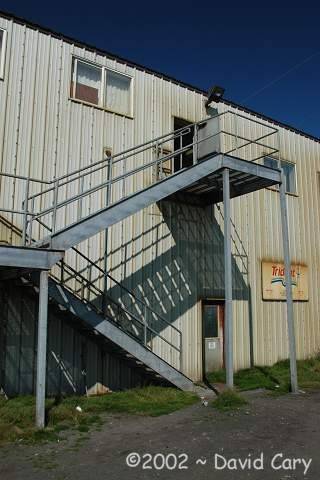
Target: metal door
(212,327)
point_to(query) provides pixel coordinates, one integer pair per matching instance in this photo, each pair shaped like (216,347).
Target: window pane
(289,173)
(118,93)
(289,170)
(1,37)
(270,162)
(88,83)
(210,321)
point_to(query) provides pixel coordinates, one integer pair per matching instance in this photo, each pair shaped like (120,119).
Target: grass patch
(247,379)
(229,400)
(17,416)
(276,377)
(152,401)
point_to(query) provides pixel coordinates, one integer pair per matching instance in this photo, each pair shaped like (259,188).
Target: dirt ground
(189,439)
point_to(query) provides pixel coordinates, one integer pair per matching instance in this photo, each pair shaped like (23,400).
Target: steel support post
(228,280)
(42,350)
(287,267)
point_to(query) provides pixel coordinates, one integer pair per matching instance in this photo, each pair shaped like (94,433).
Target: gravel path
(269,426)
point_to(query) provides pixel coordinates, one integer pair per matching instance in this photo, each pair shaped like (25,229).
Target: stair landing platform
(28,258)
(245,177)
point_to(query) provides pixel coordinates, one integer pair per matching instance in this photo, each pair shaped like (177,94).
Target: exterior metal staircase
(117,179)
(125,320)
(134,179)
(126,331)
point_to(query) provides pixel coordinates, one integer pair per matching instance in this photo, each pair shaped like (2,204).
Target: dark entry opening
(185,159)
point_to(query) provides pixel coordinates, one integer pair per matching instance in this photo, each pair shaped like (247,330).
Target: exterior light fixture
(215,94)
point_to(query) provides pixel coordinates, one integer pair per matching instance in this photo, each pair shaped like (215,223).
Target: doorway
(185,159)
(212,335)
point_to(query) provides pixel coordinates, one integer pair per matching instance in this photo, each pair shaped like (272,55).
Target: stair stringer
(87,227)
(108,329)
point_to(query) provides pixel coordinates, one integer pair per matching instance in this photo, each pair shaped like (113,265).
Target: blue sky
(266,57)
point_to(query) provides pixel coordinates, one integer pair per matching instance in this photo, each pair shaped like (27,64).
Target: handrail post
(145,337)
(82,289)
(278,148)
(180,352)
(157,165)
(80,201)
(88,280)
(31,221)
(235,116)
(55,202)
(108,196)
(161,161)
(195,144)
(25,215)
(62,272)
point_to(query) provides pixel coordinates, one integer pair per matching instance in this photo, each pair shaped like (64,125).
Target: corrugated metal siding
(264,241)
(70,353)
(171,255)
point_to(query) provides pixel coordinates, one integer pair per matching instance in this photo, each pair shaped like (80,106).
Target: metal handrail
(129,292)
(162,137)
(92,288)
(150,142)
(55,185)
(107,182)
(124,155)
(137,150)
(107,275)
(90,285)
(172,135)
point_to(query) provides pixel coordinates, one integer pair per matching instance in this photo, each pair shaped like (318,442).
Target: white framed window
(3,41)
(289,170)
(118,92)
(102,87)
(86,82)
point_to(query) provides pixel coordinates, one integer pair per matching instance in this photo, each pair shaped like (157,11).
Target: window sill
(88,104)
(287,193)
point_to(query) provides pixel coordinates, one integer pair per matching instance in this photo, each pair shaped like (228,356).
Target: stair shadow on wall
(187,264)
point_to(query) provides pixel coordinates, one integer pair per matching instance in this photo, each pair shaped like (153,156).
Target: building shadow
(185,251)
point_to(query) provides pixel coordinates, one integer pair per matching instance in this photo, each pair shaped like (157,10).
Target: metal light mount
(215,94)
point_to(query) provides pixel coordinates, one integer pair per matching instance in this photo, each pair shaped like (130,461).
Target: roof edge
(81,44)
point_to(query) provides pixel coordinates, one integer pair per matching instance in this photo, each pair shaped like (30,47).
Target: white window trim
(106,69)
(3,52)
(102,91)
(295,176)
(279,160)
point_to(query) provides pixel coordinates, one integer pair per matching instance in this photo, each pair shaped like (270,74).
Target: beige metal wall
(170,254)
(257,218)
